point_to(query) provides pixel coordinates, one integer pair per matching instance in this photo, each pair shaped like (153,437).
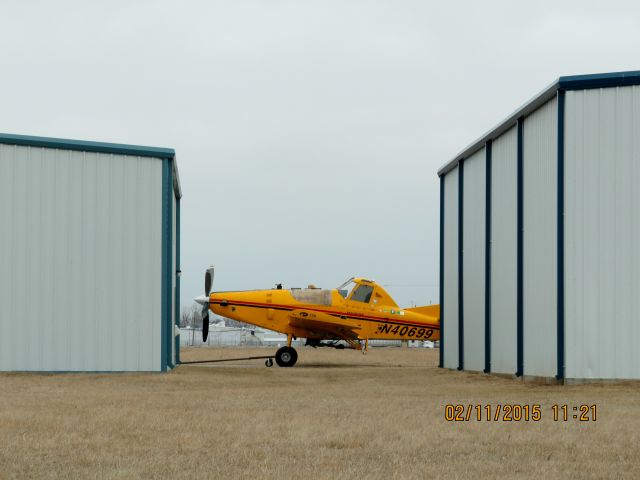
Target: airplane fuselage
(337,317)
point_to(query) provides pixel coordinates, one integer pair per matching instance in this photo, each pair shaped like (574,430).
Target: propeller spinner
(204,301)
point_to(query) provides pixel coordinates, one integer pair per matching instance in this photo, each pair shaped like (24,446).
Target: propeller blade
(204,301)
(205,325)
(208,281)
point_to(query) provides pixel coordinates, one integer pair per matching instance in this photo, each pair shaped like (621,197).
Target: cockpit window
(362,293)
(346,288)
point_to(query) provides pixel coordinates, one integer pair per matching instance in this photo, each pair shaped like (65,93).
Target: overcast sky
(308,133)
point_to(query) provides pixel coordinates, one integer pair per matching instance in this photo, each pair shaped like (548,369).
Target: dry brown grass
(337,414)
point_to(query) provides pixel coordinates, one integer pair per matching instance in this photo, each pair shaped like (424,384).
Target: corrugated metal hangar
(89,256)
(539,235)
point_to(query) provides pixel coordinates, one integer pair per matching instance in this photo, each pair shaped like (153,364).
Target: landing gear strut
(286,357)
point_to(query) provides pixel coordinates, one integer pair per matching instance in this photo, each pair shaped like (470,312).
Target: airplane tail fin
(430,310)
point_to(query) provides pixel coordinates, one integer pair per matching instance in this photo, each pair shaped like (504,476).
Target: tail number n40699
(413,332)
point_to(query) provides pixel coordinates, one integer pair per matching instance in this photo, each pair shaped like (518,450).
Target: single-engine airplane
(357,311)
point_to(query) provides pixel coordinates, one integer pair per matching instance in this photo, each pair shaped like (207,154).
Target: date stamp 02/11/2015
(509,412)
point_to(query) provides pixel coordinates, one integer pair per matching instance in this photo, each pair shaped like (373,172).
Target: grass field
(337,414)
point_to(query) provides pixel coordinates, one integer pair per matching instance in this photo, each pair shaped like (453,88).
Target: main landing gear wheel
(286,357)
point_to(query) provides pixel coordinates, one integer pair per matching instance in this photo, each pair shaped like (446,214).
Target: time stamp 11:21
(519,412)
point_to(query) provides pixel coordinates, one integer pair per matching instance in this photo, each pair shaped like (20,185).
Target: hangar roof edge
(572,82)
(90,146)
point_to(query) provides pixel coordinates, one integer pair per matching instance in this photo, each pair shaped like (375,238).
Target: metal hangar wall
(540,274)
(89,256)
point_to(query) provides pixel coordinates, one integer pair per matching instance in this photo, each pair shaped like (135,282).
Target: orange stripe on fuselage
(353,315)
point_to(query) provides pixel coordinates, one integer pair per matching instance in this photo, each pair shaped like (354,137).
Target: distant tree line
(192,317)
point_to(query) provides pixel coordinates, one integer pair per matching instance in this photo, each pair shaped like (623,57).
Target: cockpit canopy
(346,287)
(355,291)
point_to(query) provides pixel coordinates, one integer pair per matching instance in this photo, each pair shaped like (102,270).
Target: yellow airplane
(357,311)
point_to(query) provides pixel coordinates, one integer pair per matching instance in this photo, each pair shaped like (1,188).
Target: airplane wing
(324,324)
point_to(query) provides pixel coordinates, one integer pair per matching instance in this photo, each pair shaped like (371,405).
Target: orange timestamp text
(517,412)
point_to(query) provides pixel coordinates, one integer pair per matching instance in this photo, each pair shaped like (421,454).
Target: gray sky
(308,133)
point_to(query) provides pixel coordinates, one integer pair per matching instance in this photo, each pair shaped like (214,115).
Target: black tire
(286,357)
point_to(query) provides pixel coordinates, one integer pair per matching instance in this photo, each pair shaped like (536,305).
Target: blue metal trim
(441,294)
(163,276)
(487,261)
(177,297)
(460,264)
(169,259)
(576,82)
(166,280)
(560,226)
(520,254)
(176,179)
(599,80)
(99,147)
(66,144)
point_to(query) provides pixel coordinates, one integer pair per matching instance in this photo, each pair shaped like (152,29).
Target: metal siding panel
(101,267)
(148,232)
(85,235)
(504,252)
(6,247)
(627,136)
(602,154)
(117,216)
(451,269)
(93,259)
(125,350)
(19,268)
(61,263)
(474,260)
(44,184)
(73,286)
(177,298)
(540,242)
(152,235)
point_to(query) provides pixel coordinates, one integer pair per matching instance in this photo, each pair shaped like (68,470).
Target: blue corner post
(487,261)
(177,274)
(560,226)
(166,329)
(520,254)
(441,280)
